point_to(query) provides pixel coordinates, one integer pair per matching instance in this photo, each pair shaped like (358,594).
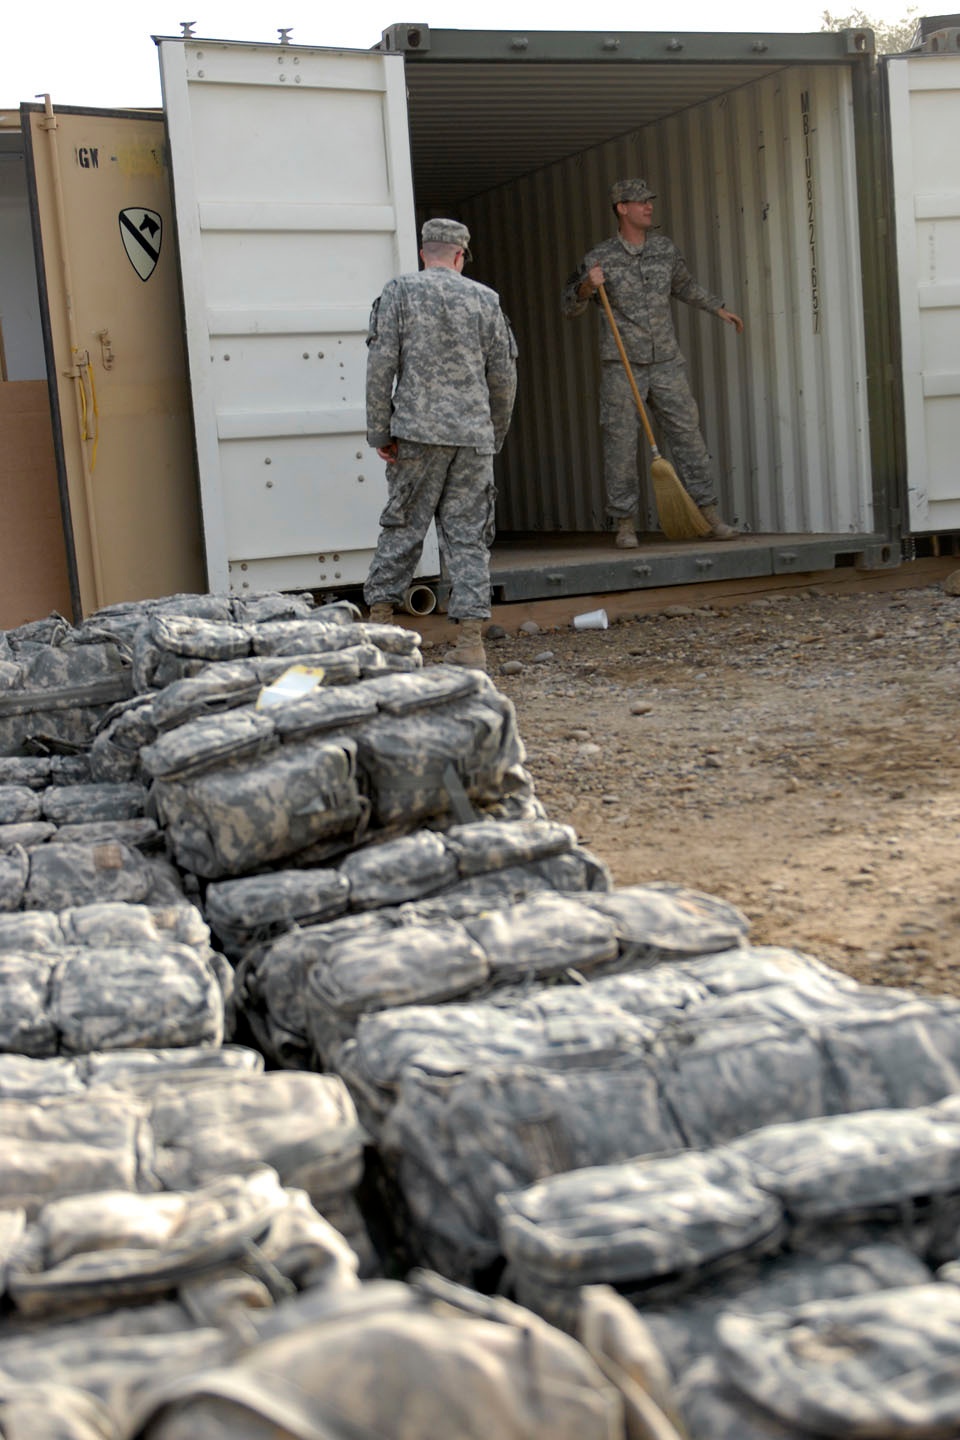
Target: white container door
(294,204)
(925,119)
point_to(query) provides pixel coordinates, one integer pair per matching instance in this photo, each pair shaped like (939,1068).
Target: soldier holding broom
(640,272)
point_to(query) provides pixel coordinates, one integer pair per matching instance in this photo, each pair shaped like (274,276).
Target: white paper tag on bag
(293,684)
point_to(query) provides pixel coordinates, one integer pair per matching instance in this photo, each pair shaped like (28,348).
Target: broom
(680,518)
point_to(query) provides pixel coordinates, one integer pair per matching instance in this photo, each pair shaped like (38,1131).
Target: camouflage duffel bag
(139,832)
(883,1365)
(304,1126)
(454,1145)
(232,798)
(203,1111)
(96,1251)
(240,791)
(419,950)
(70,804)
(69,873)
(399,1362)
(449,948)
(69,1145)
(317,981)
(667,1222)
(169,648)
(497,860)
(683,1327)
(426,725)
(54,693)
(232,683)
(459,1133)
(38,771)
(86,812)
(146,1121)
(114,752)
(112,996)
(611,1019)
(123,620)
(137,1071)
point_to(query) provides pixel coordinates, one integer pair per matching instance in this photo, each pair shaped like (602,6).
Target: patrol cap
(446,232)
(623,190)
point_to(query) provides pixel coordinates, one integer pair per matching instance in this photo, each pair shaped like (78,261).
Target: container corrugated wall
(758,190)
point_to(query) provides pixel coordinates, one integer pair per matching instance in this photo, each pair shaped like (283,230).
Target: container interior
(754,166)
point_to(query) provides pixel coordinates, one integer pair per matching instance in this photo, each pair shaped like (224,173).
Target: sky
(100,52)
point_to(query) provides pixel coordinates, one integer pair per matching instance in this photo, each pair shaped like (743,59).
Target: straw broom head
(680,519)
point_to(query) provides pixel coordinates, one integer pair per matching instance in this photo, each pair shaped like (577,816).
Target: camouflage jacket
(640,281)
(441,363)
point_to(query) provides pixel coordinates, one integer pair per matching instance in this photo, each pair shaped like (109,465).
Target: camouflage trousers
(666,391)
(453,484)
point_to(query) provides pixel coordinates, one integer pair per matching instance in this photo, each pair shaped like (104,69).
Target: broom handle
(644,420)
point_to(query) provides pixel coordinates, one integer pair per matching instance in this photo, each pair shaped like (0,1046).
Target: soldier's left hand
(388,452)
(731,319)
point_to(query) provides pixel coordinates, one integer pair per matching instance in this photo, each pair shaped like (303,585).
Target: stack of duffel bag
(490,1062)
(798,1281)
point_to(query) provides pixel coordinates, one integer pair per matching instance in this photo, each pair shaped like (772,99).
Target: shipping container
(814,188)
(770,158)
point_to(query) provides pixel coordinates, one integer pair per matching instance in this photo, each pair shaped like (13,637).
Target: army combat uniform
(640,281)
(441,381)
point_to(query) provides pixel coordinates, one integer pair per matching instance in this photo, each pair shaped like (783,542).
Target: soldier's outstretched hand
(732,319)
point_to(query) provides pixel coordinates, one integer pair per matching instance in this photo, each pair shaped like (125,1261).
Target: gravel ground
(795,754)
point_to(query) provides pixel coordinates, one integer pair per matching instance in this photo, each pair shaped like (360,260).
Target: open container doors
(924,108)
(294,206)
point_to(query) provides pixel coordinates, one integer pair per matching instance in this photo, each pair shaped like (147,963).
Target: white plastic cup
(591,620)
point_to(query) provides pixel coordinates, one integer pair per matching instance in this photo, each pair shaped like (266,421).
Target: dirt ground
(793,752)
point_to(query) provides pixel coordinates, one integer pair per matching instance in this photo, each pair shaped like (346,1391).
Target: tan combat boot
(381,613)
(719,529)
(469,649)
(627,534)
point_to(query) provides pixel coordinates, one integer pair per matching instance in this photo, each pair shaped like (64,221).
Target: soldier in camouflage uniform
(641,272)
(441,381)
